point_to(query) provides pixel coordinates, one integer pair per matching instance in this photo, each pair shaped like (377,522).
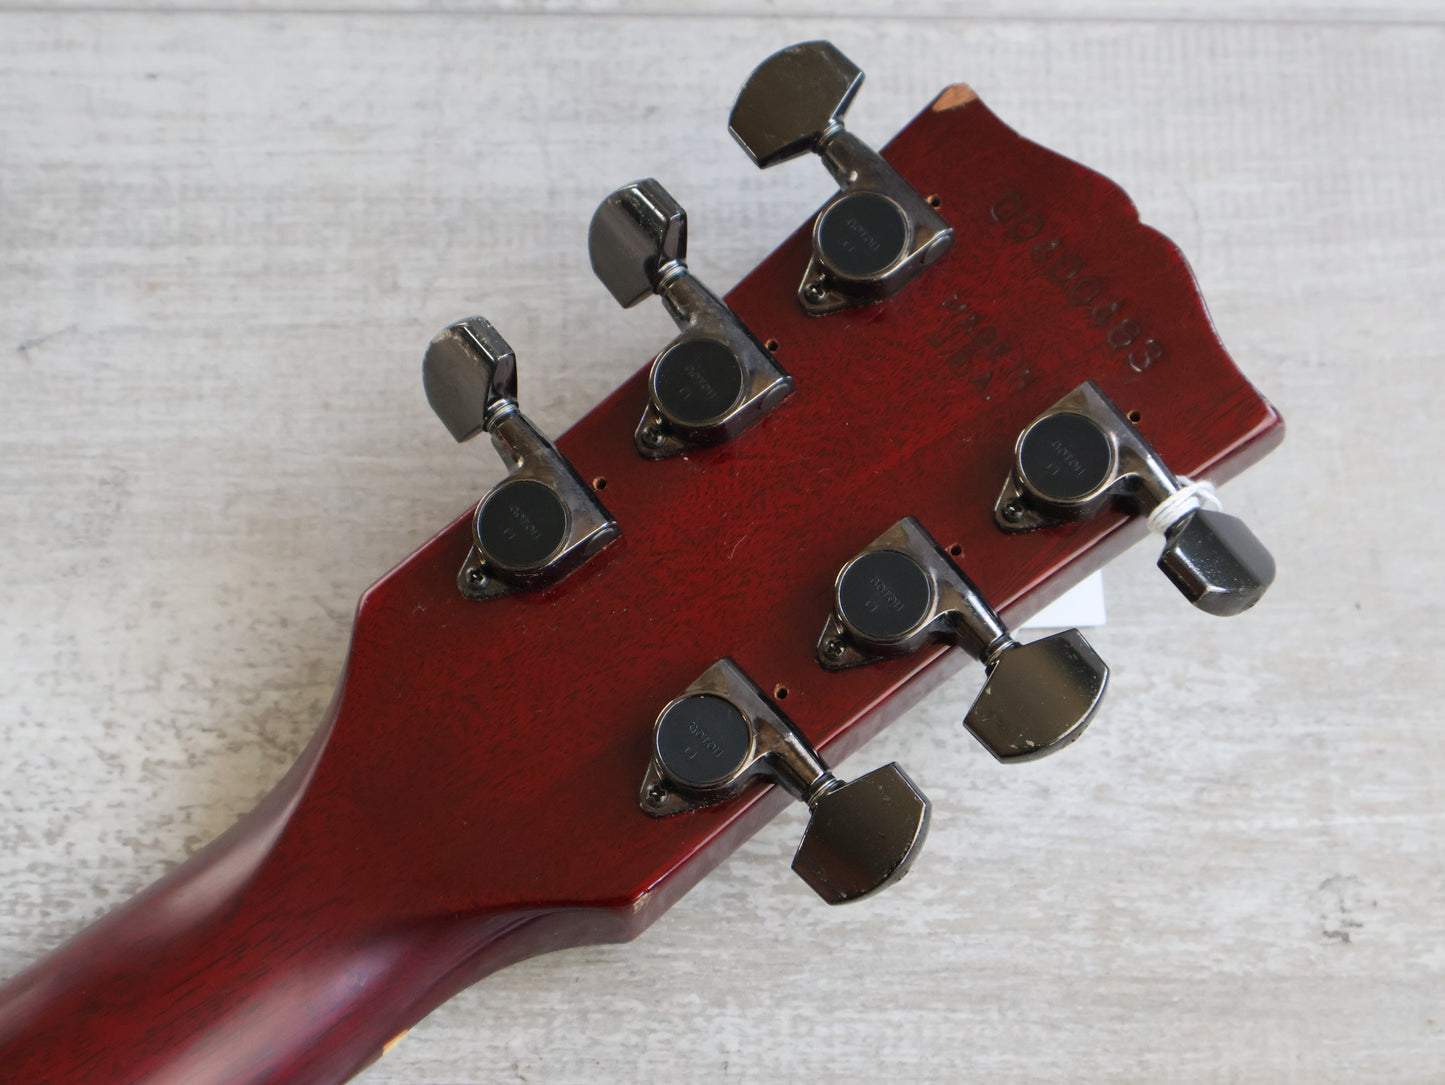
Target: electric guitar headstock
(968,382)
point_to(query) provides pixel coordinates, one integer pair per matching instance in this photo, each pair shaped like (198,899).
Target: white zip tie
(1191,495)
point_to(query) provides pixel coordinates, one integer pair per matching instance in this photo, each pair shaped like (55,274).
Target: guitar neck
(261,958)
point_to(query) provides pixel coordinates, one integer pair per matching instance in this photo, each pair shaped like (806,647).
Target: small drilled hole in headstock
(935,200)
(772,345)
(599,483)
(1134,416)
(956,550)
(781,693)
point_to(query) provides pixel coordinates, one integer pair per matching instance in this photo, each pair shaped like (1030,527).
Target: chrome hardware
(541,522)
(877,232)
(721,733)
(1083,455)
(903,592)
(715,379)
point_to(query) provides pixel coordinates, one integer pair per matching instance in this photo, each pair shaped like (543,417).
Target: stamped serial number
(970,338)
(1067,270)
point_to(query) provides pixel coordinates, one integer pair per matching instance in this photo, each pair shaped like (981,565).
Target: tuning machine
(541,522)
(903,592)
(715,379)
(877,232)
(721,733)
(1083,454)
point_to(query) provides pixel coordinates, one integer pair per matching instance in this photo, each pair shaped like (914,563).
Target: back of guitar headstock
(539,706)
(492,781)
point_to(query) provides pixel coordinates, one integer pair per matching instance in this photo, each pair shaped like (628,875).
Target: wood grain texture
(216,284)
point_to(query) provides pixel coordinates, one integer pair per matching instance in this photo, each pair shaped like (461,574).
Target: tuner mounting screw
(833,648)
(652,436)
(816,292)
(1013,513)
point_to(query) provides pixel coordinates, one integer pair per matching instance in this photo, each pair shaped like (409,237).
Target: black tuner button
(715,379)
(903,592)
(1083,455)
(722,733)
(877,232)
(542,522)
(1216,562)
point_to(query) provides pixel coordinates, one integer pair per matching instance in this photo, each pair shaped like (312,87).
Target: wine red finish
(471,797)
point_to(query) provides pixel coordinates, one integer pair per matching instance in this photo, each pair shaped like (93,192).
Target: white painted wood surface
(1269,11)
(227,236)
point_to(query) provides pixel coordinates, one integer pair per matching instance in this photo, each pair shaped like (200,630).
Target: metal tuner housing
(715,379)
(1083,456)
(902,592)
(878,231)
(722,733)
(543,521)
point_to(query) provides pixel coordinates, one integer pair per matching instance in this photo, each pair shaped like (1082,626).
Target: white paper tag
(1079,607)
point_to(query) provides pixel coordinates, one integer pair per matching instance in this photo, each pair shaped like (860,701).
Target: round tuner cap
(703,741)
(861,236)
(521,525)
(697,382)
(1065,457)
(884,595)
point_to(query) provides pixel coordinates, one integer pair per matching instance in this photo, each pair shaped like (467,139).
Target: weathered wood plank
(1373,12)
